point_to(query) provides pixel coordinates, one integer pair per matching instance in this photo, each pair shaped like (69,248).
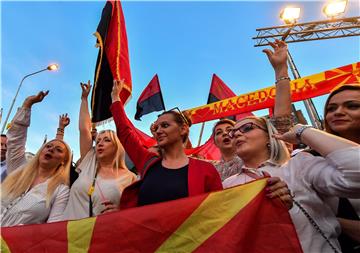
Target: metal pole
(13,101)
(309,105)
(201,133)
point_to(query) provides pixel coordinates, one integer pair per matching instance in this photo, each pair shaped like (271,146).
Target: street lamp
(334,8)
(290,15)
(51,67)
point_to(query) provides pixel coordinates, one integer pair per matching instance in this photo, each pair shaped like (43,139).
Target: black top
(162,184)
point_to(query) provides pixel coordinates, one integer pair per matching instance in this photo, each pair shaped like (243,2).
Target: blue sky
(183,42)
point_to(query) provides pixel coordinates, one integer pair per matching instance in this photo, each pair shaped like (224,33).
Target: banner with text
(301,89)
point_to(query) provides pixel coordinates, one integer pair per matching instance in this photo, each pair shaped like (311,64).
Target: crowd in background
(319,184)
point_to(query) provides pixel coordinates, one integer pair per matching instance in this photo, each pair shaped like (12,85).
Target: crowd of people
(320,185)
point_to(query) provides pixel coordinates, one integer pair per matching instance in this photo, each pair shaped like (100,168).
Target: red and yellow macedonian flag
(239,219)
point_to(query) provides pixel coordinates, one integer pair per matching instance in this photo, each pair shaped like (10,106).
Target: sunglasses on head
(245,129)
(177,110)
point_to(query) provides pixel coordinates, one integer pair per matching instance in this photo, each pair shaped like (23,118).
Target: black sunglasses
(177,110)
(245,129)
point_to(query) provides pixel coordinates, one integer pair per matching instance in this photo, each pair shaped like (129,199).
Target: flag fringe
(103,122)
(100,45)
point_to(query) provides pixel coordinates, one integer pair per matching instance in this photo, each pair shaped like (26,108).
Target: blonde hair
(279,154)
(119,157)
(336,90)
(22,178)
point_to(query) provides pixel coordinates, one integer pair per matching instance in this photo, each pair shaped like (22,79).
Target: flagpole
(201,133)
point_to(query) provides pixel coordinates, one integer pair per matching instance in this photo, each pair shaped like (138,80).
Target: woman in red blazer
(171,176)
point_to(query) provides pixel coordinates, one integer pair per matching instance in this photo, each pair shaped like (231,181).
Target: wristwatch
(299,132)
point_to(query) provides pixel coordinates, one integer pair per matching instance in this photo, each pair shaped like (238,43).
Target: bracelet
(300,131)
(282,78)
(60,130)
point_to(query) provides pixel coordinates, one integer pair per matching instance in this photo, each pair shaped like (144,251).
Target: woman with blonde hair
(312,179)
(103,174)
(36,191)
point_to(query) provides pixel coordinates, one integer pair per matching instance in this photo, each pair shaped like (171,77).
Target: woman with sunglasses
(171,176)
(311,179)
(230,163)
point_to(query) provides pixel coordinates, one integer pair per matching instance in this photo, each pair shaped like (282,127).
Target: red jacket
(202,176)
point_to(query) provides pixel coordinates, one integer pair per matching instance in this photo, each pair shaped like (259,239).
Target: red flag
(239,219)
(206,151)
(219,91)
(150,100)
(112,62)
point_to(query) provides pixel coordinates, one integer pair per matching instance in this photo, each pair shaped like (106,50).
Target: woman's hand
(153,127)
(29,101)
(278,57)
(64,121)
(289,136)
(109,207)
(86,87)
(117,87)
(277,188)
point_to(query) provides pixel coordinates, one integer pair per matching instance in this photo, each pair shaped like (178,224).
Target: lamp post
(50,68)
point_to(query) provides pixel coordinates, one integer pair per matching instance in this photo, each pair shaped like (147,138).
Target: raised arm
(126,133)
(278,60)
(282,110)
(64,121)
(17,133)
(85,121)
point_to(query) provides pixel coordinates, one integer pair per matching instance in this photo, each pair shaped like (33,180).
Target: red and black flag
(112,62)
(150,100)
(219,91)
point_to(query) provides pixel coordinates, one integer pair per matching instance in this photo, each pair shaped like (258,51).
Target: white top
(3,169)
(29,208)
(313,180)
(105,189)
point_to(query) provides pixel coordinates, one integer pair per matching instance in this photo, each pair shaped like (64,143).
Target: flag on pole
(150,100)
(219,91)
(239,219)
(112,62)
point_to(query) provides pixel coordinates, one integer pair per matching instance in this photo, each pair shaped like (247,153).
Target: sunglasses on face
(245,129)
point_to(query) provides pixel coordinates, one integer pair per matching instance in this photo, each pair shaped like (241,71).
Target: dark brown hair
(336,90)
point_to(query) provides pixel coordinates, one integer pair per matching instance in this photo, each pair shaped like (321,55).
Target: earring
(268,145)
